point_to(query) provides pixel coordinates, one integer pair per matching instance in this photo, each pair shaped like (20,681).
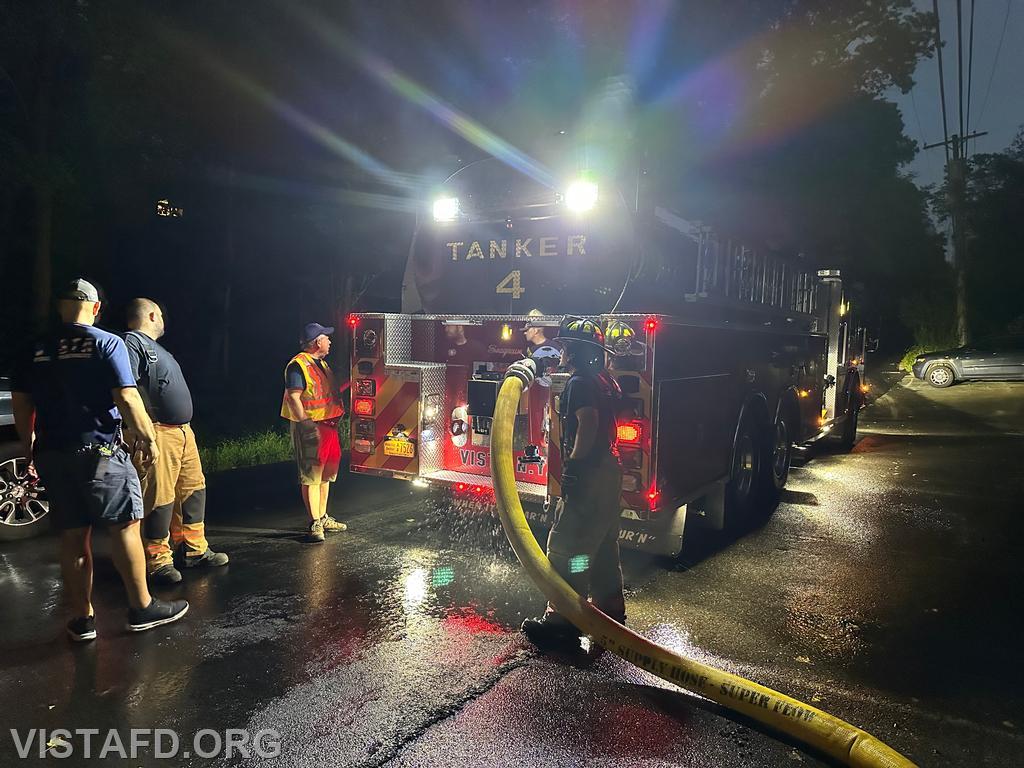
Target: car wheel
(24,508)
(745,481)
(940,376)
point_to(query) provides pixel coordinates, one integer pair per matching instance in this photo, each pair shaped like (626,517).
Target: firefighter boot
(552,632)
(159,558)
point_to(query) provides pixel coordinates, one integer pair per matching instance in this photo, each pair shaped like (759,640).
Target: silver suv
(24,509)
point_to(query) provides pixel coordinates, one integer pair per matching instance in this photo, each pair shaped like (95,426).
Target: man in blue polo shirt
(69,401)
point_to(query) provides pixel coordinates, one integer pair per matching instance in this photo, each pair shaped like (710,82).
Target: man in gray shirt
(174,488)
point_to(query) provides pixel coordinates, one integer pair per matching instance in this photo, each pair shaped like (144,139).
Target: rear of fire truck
(713,343)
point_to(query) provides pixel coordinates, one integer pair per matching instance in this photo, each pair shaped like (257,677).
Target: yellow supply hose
(822,731)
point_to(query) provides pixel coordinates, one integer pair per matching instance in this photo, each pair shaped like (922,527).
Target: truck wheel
(742,493)
(940,376)
(780,457)
(849,435)
(24,510)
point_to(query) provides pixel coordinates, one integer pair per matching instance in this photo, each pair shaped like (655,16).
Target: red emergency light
(651,324)
(364,406)
(629,433)
(652,497)
(460,487)
(353,321)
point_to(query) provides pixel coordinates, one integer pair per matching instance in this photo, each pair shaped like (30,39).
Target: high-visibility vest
(320,398)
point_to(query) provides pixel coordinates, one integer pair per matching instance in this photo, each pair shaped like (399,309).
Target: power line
(942,79)
(960,61)
(995,61)
(970,70)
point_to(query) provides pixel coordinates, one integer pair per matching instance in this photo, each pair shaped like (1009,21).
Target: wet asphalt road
(884,589)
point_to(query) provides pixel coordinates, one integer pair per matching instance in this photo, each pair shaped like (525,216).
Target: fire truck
(729,356)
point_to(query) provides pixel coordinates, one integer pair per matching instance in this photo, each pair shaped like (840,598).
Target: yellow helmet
(619,336)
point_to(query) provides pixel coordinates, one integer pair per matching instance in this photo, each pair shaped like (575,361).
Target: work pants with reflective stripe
(174,494)
(583,545)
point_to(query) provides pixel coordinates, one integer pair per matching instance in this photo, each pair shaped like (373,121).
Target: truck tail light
(364,406)
(629,433)
(651,324)
(653,496)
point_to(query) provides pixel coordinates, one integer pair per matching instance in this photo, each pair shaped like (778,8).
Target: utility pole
(956,199)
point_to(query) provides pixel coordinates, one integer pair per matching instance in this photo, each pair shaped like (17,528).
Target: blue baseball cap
(312,330)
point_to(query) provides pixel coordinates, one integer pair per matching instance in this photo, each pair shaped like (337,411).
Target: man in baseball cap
(312,405)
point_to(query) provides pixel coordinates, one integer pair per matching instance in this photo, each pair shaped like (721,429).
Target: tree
(995,231)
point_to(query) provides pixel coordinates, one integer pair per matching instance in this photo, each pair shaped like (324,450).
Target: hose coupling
(525,370)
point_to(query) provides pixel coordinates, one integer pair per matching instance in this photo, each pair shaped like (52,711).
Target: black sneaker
(82,629)
(552,634)
(209,558)
(158,612)
(165,576)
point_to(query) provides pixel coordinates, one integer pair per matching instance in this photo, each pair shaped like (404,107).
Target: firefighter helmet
(581,329)
(620,337)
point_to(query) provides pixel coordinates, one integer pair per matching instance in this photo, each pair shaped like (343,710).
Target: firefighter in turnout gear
(312,403)
(174,488)
(583,545)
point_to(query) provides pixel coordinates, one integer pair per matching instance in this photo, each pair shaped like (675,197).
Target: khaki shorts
(317,454)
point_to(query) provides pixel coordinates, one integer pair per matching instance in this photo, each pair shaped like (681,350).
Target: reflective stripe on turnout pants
(174,494)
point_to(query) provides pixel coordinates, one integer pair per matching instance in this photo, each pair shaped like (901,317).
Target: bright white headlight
(446,209)
(581,196)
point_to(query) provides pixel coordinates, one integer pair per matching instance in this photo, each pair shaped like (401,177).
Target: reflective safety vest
(320,399)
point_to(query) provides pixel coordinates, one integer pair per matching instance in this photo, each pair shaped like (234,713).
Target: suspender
(151,359)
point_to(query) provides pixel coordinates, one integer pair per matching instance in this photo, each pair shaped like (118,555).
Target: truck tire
(24,509)
(940,376)
(744,491)
(779,457)
(851,418)
(849,434)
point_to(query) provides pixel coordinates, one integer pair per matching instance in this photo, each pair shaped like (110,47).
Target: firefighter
(174,488)
(312,403)
(583,545)
(535,334)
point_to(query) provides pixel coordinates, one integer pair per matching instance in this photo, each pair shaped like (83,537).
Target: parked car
(24,509)
(997,359)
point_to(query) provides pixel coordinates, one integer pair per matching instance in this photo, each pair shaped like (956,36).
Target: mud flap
(662,537)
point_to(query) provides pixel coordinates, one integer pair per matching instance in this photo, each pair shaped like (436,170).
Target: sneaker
(316,530)
(82,629)
(157,613)
(208,558)
(330,524)
(552,633)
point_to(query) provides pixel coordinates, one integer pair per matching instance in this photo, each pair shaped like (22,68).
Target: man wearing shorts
(312,403)
(69,401)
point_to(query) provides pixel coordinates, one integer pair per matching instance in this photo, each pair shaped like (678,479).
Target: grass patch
(908,357)
(267,447)
(257,448)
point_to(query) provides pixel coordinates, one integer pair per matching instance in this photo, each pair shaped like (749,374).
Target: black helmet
(583,330)
(583,340)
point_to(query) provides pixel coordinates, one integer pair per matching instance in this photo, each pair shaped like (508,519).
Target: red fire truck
(728,355)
